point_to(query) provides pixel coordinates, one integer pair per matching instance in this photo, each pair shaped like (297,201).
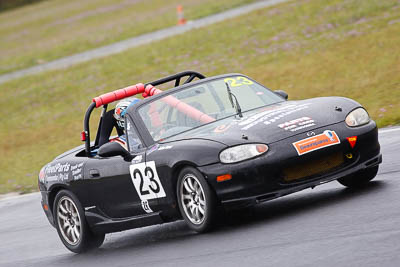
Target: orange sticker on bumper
(327,138)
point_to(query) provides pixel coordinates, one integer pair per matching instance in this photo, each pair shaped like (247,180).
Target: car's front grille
(313,167)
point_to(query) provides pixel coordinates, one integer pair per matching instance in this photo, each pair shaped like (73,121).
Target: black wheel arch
(179,166)
(53,193)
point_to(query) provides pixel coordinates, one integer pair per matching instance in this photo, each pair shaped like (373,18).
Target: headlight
(242,152)
(357,117)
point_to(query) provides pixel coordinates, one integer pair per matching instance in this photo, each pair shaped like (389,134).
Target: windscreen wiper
(237,106)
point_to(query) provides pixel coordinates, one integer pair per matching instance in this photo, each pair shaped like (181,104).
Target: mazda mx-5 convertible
(206,144)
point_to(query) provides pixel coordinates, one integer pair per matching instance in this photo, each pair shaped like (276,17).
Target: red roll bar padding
(192,112)
(118,94)
(150,90)
(154,115)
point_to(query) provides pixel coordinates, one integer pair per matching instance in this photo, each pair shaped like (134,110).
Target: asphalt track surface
(118,47)
(326,226)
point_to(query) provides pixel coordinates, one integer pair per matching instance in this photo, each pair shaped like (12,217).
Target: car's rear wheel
(359,178)
(196,200)
(71,224)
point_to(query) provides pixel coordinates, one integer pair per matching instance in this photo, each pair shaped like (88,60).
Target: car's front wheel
(71,225)
(196,200)
(359,178)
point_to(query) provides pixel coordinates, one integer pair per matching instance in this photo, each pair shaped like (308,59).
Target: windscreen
(202,104)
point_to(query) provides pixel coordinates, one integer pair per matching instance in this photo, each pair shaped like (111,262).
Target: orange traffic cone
(181,17)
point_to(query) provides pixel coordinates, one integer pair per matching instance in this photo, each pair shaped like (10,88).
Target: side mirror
(281,93)
(112,149)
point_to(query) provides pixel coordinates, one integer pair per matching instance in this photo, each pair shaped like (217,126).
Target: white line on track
(388,130)
(18,196)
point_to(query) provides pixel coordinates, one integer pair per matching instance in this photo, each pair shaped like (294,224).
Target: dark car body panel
(323,110)
(104,186)
(264,175)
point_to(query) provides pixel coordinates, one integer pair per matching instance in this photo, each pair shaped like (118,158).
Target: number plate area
(146,181)
(318,166)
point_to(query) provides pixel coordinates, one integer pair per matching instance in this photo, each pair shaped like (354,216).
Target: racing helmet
(121,108)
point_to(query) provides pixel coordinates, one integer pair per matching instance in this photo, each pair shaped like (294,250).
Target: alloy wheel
(69,220)
(193,199)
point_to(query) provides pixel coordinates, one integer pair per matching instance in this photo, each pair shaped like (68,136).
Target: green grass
(48,30)
(308,48)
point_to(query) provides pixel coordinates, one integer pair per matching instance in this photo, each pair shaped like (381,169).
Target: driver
(119,116)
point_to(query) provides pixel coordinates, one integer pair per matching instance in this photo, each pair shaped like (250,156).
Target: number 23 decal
(238,81)
(146,181)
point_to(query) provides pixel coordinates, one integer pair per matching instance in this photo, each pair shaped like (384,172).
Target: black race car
(208,143)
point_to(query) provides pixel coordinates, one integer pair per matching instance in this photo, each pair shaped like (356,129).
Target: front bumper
(45,202)
(263,178)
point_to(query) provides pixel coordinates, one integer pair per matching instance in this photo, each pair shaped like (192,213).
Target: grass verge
(48,30)
(308,48)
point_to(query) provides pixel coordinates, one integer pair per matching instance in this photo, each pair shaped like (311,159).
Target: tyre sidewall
(86,239)
(210,211)
(359,178)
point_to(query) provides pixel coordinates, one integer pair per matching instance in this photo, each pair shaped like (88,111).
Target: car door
(143,173)
(110,187)
(114,185)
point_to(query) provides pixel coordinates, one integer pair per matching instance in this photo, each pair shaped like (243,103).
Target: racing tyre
(359,178)
(71,224)
(197,202)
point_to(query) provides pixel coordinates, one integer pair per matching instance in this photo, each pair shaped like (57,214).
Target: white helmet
(120,110)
